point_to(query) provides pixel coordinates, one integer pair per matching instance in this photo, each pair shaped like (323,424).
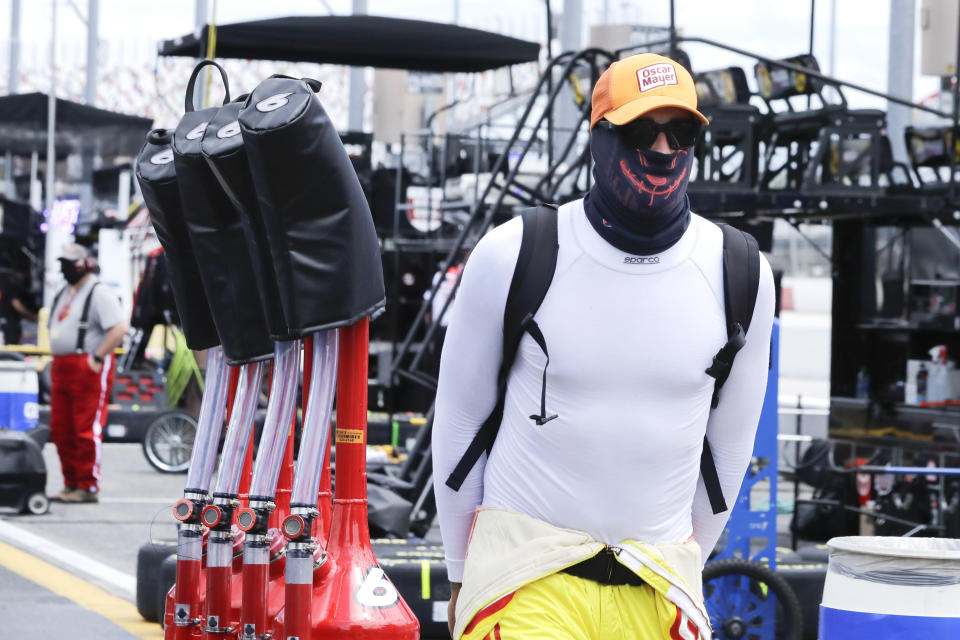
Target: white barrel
(886,588)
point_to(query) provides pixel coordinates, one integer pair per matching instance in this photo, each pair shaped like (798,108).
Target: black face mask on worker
(71,272)
(638,202)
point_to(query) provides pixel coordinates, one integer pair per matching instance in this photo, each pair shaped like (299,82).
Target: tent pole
(201,13)
(673,30)
(36,202)
(90,97)
(357,81)
(13,86)
(54,239)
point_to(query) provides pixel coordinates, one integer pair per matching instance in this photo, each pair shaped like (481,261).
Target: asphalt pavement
(71,572)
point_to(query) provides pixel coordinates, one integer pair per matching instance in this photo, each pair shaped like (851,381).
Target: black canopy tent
(361,41)
(79,128)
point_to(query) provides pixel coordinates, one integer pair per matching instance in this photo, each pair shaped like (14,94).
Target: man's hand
(111,341)
(452,607)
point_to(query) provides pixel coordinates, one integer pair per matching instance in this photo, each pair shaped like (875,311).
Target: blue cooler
(18,395)
(881,588)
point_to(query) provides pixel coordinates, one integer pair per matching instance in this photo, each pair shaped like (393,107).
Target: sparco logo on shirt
(641,260)
(656,75)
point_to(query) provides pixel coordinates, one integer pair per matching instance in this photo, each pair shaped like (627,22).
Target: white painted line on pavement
(68,559)
(136,500)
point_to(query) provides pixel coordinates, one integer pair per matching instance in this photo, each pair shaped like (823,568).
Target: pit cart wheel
(748,601)
(168,442)
(37,503)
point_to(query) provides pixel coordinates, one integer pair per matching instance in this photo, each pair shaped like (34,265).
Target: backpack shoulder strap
(741,280)
(532,276)
(82,330)
(741,276)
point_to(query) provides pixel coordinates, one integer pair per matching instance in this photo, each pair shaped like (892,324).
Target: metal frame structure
(568,176)
(750,523)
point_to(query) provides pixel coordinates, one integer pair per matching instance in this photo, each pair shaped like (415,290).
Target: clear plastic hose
(283,402)
(238,431)
(210,423)
(316,422)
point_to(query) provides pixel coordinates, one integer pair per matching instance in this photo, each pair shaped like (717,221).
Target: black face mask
(638,202)
(71,273)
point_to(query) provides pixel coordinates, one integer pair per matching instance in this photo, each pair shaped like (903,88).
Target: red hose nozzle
(211,515)
(293,526)
(183,509)
(246,519)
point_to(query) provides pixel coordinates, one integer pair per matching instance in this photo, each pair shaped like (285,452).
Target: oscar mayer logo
(656,75)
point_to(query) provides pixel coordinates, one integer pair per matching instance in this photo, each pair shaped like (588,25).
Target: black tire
(149,558)
(815,553)
(168,441)
(741,597)
(166,580)
(807,580)
(43,385)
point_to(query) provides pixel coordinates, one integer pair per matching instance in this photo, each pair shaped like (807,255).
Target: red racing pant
(78,411)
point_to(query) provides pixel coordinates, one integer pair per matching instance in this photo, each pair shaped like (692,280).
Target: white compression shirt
(629,342)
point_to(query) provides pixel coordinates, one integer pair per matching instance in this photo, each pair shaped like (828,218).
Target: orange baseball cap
(633,86)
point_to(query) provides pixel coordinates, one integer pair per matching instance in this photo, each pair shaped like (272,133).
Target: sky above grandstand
(772,28)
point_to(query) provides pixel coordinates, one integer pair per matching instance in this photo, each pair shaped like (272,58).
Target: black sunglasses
(642,132)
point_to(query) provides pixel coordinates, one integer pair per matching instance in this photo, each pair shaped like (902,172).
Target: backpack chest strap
(723,362)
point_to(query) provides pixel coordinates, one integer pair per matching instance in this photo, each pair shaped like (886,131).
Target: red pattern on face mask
(655,182)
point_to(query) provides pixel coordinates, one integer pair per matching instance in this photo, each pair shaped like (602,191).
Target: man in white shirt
(86,325)
(594,524)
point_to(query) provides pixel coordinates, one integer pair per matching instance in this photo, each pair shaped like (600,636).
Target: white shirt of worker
(105,313)
(629,345)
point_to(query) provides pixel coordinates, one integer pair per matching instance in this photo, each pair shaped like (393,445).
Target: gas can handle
(188,105)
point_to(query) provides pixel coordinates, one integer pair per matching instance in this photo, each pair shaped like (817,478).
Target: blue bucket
(881,588)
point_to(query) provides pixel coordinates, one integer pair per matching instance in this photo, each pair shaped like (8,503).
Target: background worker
(593,520)
(16,304)
(86,325)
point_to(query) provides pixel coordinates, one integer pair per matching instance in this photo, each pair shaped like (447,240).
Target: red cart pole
(356,600)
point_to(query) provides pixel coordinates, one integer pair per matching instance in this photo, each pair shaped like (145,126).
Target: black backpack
(532,276)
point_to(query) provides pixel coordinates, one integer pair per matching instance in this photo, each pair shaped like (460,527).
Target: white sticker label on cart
(440,610)
(197,131)
(376,591)
(274,102)
(164,157)
(117,430)
(230,130)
